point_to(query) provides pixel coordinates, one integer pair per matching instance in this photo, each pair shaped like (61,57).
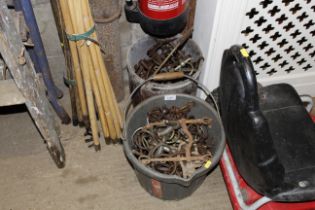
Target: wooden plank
(10,94)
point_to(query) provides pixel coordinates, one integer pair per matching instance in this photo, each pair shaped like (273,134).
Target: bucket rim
(173,178)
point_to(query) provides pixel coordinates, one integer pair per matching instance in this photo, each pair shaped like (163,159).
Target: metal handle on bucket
(167,77)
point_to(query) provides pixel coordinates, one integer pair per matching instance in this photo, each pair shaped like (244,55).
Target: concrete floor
(103,180)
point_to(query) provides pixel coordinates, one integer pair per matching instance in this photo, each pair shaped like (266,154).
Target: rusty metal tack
(166,131)
(178,45)
(193,158)
(183,123)
(182,64)
(163,123)
(172,113)
(21,58)
(172,142)
(167,56)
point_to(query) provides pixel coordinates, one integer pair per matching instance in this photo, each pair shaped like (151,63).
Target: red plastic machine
(160,18)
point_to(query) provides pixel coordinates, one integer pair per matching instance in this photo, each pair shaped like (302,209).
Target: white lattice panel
(280,36)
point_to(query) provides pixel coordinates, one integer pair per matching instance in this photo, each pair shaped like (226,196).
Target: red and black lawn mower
(269,162)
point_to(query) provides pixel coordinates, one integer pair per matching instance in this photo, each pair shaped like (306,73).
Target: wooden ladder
(26,86)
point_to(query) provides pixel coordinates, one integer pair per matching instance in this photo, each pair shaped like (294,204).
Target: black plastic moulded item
(171,187)
(270,134)
(156,28)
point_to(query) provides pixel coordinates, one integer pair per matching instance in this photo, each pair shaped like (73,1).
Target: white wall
(204,26)
(204,23)
(216,22)
(217,27)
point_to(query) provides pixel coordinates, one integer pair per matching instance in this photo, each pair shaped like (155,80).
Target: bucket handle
(168,77)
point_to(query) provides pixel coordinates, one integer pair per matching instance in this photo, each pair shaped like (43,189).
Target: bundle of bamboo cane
(94,92)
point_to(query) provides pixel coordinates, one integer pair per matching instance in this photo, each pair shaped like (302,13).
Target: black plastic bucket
(171,187)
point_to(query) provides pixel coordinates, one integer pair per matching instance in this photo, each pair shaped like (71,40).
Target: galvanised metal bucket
(138,51)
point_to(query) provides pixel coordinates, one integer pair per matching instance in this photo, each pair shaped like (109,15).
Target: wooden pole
(77,116)
(93,84)
(105,96)
(75,11)
(75,60)
(108,90)
(98,100)
(103,68)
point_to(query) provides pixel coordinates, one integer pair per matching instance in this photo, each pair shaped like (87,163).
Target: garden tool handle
(172,75)
(168,76)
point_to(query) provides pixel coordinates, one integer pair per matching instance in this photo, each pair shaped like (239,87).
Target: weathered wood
(77,115)
(10,94)
(29,84)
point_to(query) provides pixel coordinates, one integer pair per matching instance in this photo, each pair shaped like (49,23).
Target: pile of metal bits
(174,144)
(172,113)
(167,56)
